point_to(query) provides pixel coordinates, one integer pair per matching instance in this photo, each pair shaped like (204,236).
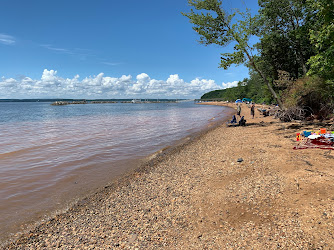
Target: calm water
(52,155)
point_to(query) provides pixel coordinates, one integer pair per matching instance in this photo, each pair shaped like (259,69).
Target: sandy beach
(230,188)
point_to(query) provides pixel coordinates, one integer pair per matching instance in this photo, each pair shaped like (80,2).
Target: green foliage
(284,29)
(309,94)
(322,37)
(296,36)
(252,88)
(212,28)
(216,27)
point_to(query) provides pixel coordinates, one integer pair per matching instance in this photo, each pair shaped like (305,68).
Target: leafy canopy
(322,37)
(215,26)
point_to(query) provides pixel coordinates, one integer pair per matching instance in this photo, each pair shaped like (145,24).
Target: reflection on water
(49,154)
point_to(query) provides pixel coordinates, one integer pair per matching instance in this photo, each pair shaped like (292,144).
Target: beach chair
(264,112)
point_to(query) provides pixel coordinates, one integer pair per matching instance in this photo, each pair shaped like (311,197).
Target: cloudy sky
(107,49)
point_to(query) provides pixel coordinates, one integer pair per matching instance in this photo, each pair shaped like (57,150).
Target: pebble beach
(228,188)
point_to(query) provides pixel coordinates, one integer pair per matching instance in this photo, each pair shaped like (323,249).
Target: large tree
(284,29)
(322,36)
(215,26)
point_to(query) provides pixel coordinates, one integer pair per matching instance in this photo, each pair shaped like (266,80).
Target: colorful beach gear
(319,139)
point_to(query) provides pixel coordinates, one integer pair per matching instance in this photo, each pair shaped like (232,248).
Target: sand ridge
(200,196)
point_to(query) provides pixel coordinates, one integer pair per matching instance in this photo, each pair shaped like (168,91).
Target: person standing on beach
(239,110)
(253,110)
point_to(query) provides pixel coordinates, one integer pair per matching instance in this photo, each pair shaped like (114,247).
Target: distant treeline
(252,88)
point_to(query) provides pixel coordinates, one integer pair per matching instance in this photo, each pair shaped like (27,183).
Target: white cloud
(61,50)
(229,84)
(49,75)
(11,82)
(100,86)
(143,78)
(6,39)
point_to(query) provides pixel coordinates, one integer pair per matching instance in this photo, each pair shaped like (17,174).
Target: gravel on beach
(230,188)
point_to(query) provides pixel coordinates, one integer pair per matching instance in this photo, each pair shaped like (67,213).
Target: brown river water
(51,156)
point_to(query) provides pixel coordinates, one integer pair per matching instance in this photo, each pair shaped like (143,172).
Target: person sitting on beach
(242,121)
(234,119)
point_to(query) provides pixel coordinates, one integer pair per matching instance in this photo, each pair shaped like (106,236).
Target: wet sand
(199,196)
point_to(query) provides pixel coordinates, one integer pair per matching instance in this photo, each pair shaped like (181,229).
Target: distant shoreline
(91,100)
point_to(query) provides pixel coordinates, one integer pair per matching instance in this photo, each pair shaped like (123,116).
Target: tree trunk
(250,58)
(279,102)
(301,59)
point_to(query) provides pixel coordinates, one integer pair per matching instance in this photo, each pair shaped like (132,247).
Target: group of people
(242,121)
(252,110)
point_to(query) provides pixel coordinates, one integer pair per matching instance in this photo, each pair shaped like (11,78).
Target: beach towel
(319,142)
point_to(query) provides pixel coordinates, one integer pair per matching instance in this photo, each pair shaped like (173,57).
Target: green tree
(297,36)
(216,27)
(252,88)
(285,42)
(322,36)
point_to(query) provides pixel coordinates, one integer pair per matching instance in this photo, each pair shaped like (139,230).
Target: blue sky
(107,49)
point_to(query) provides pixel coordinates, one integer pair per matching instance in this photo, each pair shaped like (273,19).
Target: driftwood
(290,114)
